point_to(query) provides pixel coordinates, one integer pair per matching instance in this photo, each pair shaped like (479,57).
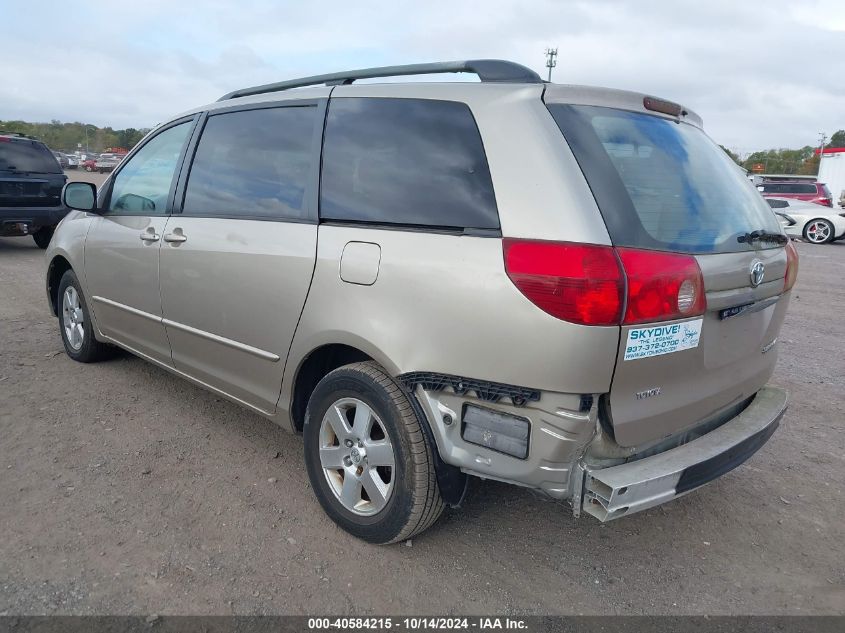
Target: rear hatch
(30,176)
(674,204)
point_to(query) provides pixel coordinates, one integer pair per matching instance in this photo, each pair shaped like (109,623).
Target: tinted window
(789,187)
(142,186)
(253,163)
(660,184)
(26,155)
(405,161)
(777,204)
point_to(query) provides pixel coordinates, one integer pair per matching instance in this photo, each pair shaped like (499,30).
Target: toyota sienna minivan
(567,288)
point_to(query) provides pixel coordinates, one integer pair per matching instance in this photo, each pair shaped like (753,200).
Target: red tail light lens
(585,284)
(581,283)
(791,266)
(661,286)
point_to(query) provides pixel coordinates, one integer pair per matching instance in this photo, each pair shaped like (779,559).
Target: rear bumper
(610,493)
(18,221)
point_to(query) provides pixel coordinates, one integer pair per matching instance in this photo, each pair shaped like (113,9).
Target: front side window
(253,164)
(143,185)
(414,162)
(662,185)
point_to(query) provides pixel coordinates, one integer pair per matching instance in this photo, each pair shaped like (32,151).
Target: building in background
(832,172)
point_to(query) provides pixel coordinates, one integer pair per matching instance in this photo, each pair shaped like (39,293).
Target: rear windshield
(789,187)
(27,155)
(662,185)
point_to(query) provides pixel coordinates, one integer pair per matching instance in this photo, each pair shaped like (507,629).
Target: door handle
(175,237)
(149,236)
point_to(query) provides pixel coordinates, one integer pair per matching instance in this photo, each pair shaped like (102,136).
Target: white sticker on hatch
(662,339)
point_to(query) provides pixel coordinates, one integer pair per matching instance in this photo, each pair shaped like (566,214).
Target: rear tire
(818,231)
(75,323)
(42,237)
(359,408)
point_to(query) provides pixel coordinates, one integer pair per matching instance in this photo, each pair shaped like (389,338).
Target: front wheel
(818,231)
(42,237)
(75,323)
(369,463)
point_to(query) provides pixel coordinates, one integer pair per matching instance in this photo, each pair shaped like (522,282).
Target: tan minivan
(567,288)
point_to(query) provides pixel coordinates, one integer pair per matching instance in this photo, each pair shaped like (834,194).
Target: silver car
(565,288)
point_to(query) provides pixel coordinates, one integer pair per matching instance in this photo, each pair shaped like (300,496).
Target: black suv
(31,182)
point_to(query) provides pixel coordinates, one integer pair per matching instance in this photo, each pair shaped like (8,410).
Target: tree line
(69,137)
(802,161)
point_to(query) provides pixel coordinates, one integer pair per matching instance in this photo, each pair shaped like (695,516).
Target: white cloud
(760,73)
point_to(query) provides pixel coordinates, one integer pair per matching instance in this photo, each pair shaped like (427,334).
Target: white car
(812,222)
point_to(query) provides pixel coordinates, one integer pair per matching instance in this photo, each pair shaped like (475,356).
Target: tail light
(791,266)
(602,285)
(823,201)
(661,286)
(581,283)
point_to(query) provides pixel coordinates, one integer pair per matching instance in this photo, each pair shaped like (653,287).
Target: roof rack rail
(488,71)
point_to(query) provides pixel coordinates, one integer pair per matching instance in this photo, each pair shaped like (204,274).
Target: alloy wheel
(73,318)
(357,456)
(818,232)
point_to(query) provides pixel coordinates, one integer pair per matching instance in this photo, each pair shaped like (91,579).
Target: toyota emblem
(758,270)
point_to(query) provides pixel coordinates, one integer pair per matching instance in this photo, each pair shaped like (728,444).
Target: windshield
(662,185)
(27,155)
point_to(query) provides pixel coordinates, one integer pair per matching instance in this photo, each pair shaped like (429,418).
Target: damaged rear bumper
(616,491)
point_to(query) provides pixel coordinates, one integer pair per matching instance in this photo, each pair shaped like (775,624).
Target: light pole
(551,62)
(822,139)
(87,151)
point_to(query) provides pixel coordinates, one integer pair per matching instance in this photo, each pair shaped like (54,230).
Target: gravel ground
(126,490)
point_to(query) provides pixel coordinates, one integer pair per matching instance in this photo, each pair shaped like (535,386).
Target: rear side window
(28,156)
(777,204)
(253,164)
(789,187)
(412,162)
(662,185)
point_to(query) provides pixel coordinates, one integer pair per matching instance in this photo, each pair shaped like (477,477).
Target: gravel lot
(126,490)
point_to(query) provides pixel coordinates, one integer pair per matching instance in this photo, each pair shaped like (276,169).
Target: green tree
(782,161)
(837,140)
(66,136)
(734,157)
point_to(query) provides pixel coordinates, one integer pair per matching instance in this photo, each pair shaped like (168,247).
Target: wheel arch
(58,266)
(328,357)
(311,370)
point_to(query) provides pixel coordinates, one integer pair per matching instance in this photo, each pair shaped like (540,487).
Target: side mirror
(81,196)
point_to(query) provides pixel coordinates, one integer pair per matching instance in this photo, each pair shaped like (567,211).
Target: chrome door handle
(175,237)
(150,237)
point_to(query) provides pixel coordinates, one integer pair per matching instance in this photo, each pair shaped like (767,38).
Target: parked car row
(103,163)
(67,161)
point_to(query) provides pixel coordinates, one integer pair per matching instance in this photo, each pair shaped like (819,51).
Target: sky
(762,74)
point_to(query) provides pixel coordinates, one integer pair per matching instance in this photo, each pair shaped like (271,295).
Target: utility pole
(822,139)
(551,62)
(86,140)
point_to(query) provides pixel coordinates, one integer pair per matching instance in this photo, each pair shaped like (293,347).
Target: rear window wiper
(762,236)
